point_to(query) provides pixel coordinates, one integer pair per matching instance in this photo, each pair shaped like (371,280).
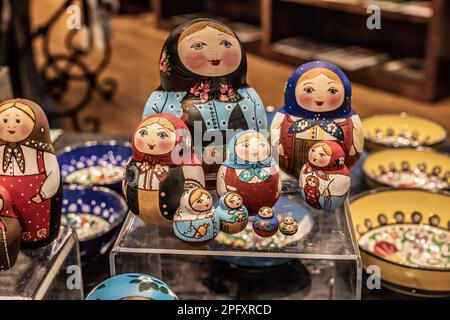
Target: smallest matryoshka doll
(161,168)
(10,233)
(251,171)
(288,226)
(265,223)
(232,213)
(196,221)
(324,179)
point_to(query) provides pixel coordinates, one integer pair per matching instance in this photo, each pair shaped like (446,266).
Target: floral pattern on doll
(164,63)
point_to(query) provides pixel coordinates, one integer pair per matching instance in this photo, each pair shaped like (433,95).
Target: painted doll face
(210,52)
(318,157)
(320,93)
(311,182)
(252,148)
(15,125)
(233,201)
(203,203)
(266,212)
(154,139)
(288,220)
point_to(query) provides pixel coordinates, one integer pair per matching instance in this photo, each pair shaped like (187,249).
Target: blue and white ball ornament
(132,286)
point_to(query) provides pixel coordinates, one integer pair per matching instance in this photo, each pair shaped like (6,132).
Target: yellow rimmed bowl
(401,130)
(421,168)
(405,232)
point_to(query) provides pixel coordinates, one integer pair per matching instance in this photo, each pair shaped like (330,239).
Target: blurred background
(99,77)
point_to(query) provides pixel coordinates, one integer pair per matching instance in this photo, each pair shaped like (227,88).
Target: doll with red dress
(324,179)
(29,171)
(317,106)
(250,170)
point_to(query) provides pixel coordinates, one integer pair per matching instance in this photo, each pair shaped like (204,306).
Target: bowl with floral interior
(95,163)
(400,131)
(405,232)
(96,215)
(421,168)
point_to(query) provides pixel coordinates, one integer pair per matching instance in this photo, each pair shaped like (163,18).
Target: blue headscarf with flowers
(251,169)
(292,107)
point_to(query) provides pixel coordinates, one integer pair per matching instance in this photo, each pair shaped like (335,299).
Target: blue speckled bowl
(81,156)
(132,286)
(101,202)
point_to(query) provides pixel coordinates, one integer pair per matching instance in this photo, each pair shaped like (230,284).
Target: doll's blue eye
(333,90)
(162,135)
(143,133)
(226,44)
(308,90)
(198,45)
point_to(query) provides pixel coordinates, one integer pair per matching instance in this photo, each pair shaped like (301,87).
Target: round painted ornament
(161,168)
(250,170)
(265,223)
(325,180)
(29,171)
(10,232)
(317,106)
(203,70)
(232,213)
(196,221)
(288,226)
(132,286)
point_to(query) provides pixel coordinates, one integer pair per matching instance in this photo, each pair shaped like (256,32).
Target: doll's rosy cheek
(24,129)
(139,143)
(335,100)
(196,60)
(305,99)
(166,144)
(231,58)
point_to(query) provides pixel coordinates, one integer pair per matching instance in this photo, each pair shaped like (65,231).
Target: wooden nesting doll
(288,226)
(195,221)
(317,106)
(265,223)
(161,168)
(324,179)
(30,171)
(203,69)
(10,232)
(250,170)
(232,213)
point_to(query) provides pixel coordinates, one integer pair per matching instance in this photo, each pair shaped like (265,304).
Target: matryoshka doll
(317,106)
(10,232)
(324,179)
(30,171)
(250,170)
(232,213)
(203,69)
(161,168)
(196,222)
(265,223)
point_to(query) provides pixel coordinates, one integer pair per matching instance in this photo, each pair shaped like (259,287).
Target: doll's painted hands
(37,198)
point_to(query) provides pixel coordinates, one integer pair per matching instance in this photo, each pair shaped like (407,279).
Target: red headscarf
(181,153)
(336,164)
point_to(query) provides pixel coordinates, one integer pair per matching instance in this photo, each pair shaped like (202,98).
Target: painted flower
(26,236)
(385,249)
(42,233)
(223,98)
(145,279)
(164,64)
(204,97)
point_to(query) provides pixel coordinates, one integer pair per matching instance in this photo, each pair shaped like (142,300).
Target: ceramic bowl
(401,130)
(405,232)
(96,214)
(95,163)
(132,286)
(409,168)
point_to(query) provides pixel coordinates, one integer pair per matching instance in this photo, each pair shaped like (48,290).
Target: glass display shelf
(323,263)
(43,273)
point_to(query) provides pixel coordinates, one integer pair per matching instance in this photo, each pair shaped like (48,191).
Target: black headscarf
(179,78)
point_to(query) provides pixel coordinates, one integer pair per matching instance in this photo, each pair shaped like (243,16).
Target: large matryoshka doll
(29,171)
(203,70)
(250,170)
(161,168)
(325,180)
(317,106)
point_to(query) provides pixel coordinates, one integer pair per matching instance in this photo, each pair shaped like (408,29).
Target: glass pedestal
(47,273)
(324,263)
